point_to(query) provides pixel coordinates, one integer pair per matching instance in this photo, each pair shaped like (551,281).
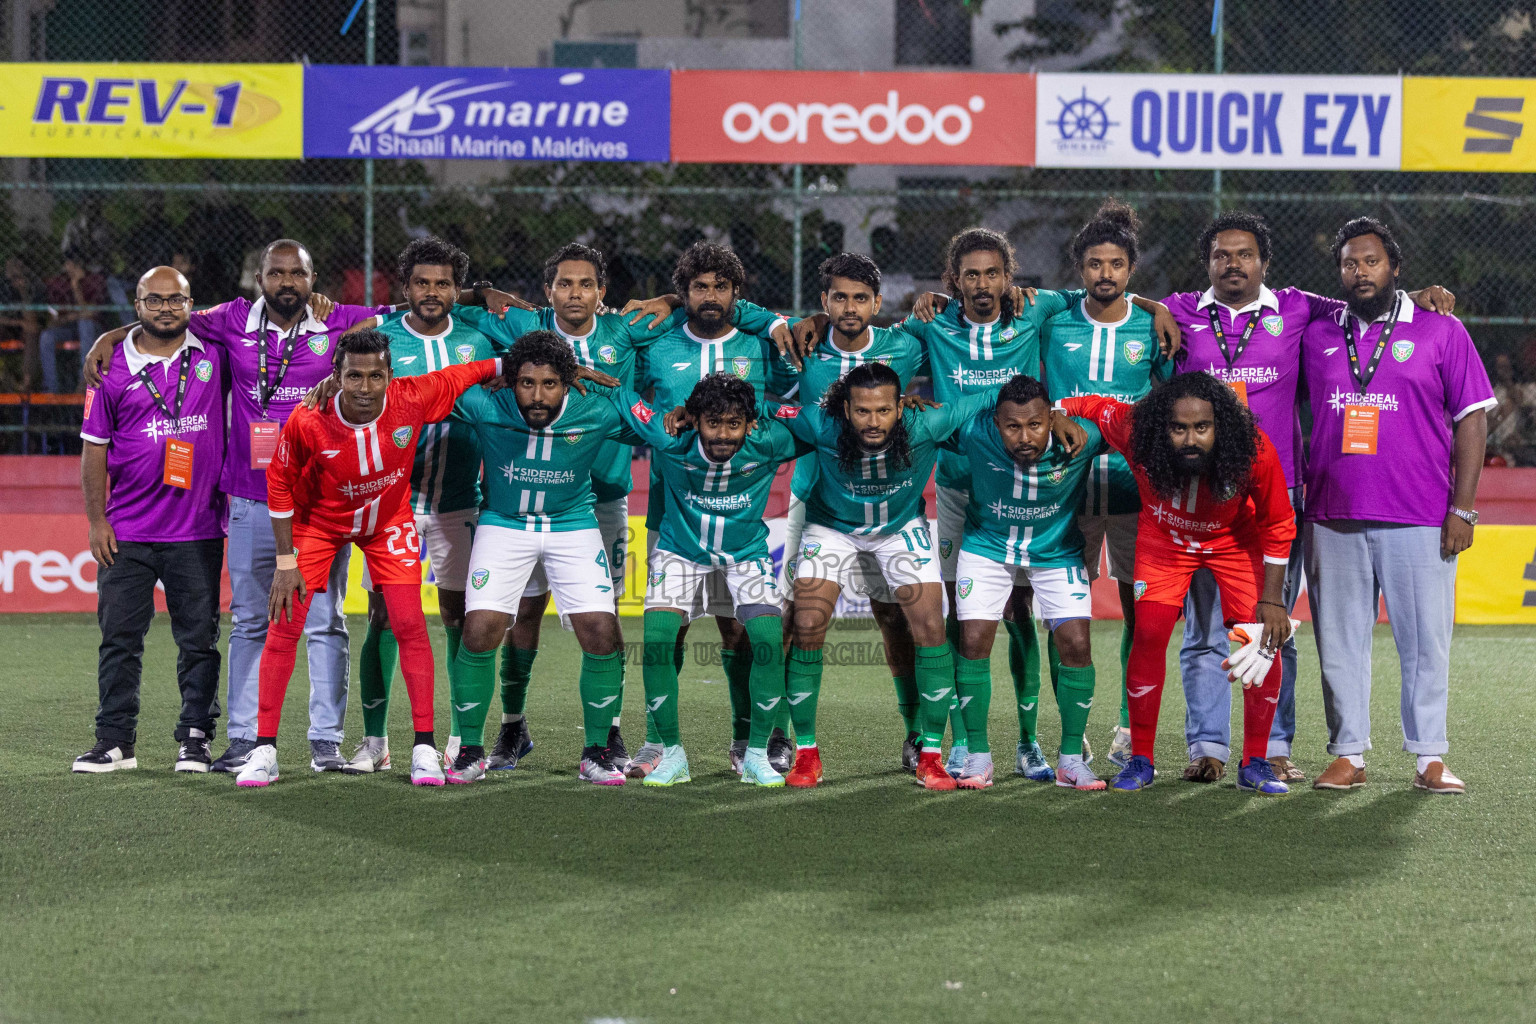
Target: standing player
(278,347)
(341,475)
(541,437)
(1021,529)
(445,479)
(718,476)
(1213,497)
(1244,334)
(1106,345)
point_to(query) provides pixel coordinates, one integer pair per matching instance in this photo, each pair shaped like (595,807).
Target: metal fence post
(798,270)
(1219,30)
(373,10)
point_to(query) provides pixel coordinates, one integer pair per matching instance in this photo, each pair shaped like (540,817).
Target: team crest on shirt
(608,354)
(204,371)
(1274,323)
(1139,588)
(945,547)
(741,366)
(478,577)
(810,550)
(466,353)
(883,360)
(1134,350)
(656,578)
(401,436)
(573,435)
(963,587)
(749,469)
(1401,350)
(1055,475)
(319,344)
(1009,334)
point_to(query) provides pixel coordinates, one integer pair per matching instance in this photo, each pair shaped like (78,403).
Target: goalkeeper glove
(1250,663)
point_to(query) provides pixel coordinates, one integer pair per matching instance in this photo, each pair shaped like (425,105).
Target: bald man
(153,438)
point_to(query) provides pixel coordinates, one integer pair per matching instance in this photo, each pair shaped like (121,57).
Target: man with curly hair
(1199,462)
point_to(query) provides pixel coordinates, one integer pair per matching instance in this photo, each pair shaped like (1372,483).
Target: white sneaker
(260,768)
(371,755)
(1074,773)
(426,766)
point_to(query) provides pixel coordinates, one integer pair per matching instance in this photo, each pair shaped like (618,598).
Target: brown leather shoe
(1340,775)
(1286,770)
(1205,769)
(1437,779)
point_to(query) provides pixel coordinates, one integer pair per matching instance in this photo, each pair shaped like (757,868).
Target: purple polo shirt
(123,415)
(234,327)
(1270,365)
(1430,377)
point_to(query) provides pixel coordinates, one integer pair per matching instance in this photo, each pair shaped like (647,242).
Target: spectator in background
(88,237)
(1512,422)
(70,290)
(19,328)
(152,242)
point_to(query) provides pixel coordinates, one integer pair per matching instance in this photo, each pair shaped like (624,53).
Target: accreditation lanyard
(1363,378)
(171,414)
(284,358)
(1221,336)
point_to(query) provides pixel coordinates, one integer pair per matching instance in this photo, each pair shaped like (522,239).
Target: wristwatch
(479,289)
(1470,515)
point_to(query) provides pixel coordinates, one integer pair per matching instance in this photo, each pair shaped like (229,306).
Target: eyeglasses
(166,301)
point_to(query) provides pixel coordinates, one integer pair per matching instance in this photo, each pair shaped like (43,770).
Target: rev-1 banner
(486,113)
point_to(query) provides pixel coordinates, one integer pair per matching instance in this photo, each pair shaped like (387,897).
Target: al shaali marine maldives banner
(486,113)
(1270,122)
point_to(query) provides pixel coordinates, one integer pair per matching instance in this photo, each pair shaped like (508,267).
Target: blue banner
(421,113)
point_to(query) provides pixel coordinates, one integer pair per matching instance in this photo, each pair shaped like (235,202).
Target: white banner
(1274,122)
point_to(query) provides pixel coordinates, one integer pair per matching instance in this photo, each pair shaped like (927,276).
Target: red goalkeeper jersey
(1259,517)
(348,480)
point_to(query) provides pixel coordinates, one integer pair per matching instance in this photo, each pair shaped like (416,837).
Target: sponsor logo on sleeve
(641,411)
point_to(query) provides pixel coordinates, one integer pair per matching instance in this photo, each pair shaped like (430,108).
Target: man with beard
(278,347)
(1397,448)
(718,477)
(1242,333)
(1213,497)
(575,286)
(865,521)
(154,429)
(445,479)
(541,437)
(1022,530)
(1104,344)
(709,278)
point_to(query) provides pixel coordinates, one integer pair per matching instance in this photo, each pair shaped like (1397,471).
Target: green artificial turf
(529,897)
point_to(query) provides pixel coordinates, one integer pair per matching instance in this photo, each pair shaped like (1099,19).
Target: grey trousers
(1349,564)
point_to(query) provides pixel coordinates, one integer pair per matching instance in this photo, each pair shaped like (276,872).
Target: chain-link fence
(75,234)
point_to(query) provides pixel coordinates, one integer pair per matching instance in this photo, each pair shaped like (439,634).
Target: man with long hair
(1198,462)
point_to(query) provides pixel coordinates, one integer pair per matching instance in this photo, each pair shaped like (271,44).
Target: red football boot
(931,773)
(807,770)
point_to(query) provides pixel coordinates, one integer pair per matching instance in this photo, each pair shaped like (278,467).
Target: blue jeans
(48,348)
(1207,691)
(252,561)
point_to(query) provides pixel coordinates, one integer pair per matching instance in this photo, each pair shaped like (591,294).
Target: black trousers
(125,605)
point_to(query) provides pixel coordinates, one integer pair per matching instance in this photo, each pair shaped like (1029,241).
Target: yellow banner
(1469,124)
(251,111)
(1496,577)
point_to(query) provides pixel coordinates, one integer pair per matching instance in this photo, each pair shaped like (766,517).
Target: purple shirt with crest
(235,326)
(1270,366)
(123,415)
(1428,379)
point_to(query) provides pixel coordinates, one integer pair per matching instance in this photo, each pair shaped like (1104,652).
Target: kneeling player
(718,476)
(541,437)
(342,475)
(1213,496)
(1021,529)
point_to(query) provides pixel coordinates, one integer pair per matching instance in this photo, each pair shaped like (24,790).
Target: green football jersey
(715,509)
(875,497)
(969,359)
(1121,360)
(446,475)
(541,480)
(827,363)
(611,346)
(1023,516)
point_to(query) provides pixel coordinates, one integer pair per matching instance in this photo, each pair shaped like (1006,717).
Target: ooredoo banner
(841,117)
(1274,122)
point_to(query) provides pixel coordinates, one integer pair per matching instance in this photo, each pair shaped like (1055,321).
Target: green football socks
(973,678)
(956,717)
(906,701)
(803,682)
(516,671)
(936,688)
(660,674)
(471,681)
(375,674)
(765,637)
(602,683)
(738,681)
(1024,667)
(1074,696)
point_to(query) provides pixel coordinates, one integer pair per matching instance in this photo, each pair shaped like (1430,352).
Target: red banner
(843,117)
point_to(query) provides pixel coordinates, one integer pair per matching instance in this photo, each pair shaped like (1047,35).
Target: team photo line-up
(495,438)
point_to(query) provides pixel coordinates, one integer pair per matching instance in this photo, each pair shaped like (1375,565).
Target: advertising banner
(251,111)
(1468,124)
(843,117)
(1269,122)
(1496,577)
(486,113)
